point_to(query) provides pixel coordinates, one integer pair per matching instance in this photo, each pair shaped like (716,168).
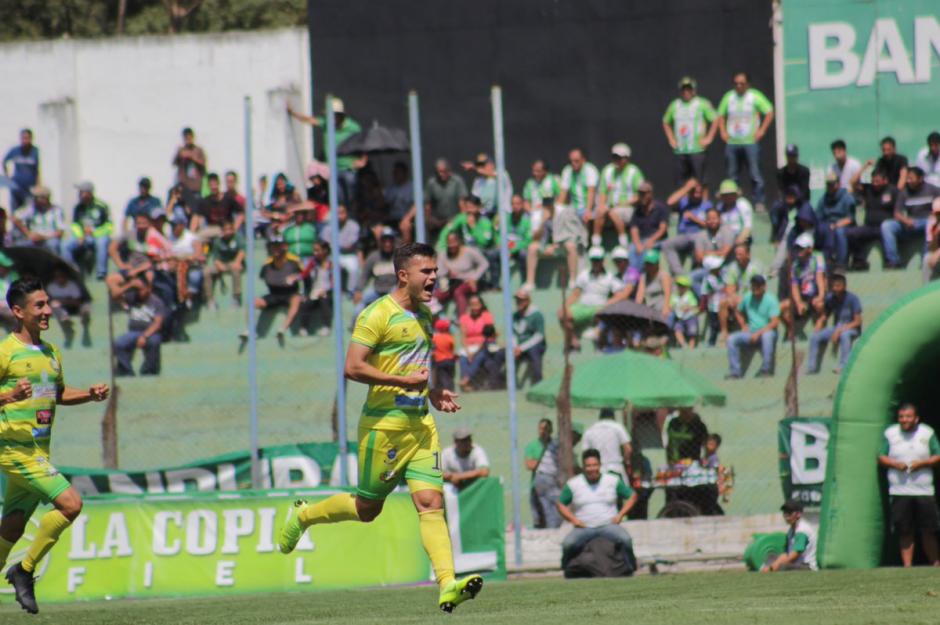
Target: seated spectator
(463,462)
(845,310)
(686,435)
(627,273)
(186,260)
(758,315)
(91,230)
(541,458)
(736,211)
(716,240)
(794,173)
(806,222)
(556,230)
(690,203)
(145,315)
(399,195)
(932,259)
(519,233)
(928,159)
(141,204)
(800,551)
(379,269)
(300,233)
(281,273)
(474,227)
(68,300)
(443,356)
(879,199)
(783,213)
(713,291)
(283,196)
(459,271)
(350,256)
(214,210)
(619,184)
(737,282)
(835,211)
(910,215)
(528,329)
(683,320)
(807,284)
(612,441)
(136,254)
(655,286)
(579,181)
(442,195)
(484,184)
(317,310)
(175,205)
(472,323)
(226,256)
(649,224)
(592,289)
(844,166)
(41,222)
(589,502)
(892,163)
(543,185)
(911,452)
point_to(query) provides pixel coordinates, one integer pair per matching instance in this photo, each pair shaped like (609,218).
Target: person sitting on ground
(380,270)
(443,356)
(879,199)
(715,240)
(589,502)
(683,320)
(68,300)
(655,286)
(736,211)
(845,310)
(145,316)
(528,329)
(226,256)
(472,323)
(611,439)
(649,224)
(556,230)
(519,233)
(737,282)
(463,462)
(41,222)
(459,271)
(758,315)
(317,310)
(281,273)
(91,229)
(836,212)
(592,289)
(619,185)
(800,551)
(910,215)
(690,203)
(475,228)
(807,284)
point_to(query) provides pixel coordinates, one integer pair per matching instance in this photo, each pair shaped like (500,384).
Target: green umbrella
(630,377)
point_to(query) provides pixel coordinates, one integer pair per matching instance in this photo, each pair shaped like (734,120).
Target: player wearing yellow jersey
(31,385)
(391,351)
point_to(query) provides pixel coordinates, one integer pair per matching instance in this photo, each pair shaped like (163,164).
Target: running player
(391,352)
(31,385)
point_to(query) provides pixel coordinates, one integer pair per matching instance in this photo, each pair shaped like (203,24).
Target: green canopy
(630,377)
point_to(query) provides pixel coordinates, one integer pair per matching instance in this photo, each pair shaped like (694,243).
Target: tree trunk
(122,12)
(791,391)
(563,401)
(109,439)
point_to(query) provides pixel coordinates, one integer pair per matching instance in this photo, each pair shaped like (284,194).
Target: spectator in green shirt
(690,123)
(543,185)
(227,256)
(346,127)
(528,328)
(519,229)
(744,115)
(541,458)
(475,228)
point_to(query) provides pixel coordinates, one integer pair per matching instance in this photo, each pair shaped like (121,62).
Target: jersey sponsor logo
(390,456)
(405,400)
(44,417)
(42,432)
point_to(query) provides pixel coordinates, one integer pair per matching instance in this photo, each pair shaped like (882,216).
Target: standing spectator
(484,184)
(910,215)
(741,127)
(835,211)
(24,173)
(910,453)
(593,287)
(227,256)
(399,195)
(41,222)
(613,442)
(68,300)
(463,462)
(91,229)
(528,329)
(800,551)
(318,309)
(589,502)
(716,240)
(191,163)
(649,224)
(758,316)
(690,123)
(281,273)
(690,203)
(519,233)
(686,434)
(619,186)
(380,270)
(475,228)
(460,268)
(472,324)
(845,310)
(683,320)
(350,256)
(794,173)
(543,185)
(442,195)
(145,315)
(807,283)
(845,166)
(736,211)
(443,356)
(579,180)
(233,195)
(345,127)
(737,278)
(928,159)
(558,230)
(783,213)
(141,204)
(541,458)
(214,210)
(655,286)
(892,163)
(879,199)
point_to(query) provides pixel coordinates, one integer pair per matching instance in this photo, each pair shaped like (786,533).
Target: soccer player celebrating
(391,352)
(31,385)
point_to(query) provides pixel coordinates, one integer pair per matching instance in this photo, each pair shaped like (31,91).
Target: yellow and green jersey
(401,345)
(28,423)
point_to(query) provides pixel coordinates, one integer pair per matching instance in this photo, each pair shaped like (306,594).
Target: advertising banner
(803,443)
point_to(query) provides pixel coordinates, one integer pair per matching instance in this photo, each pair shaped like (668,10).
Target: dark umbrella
(375,140)
(634,315)
(41,263)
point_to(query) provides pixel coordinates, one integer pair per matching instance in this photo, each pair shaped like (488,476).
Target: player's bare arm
(358,369)
(71,396)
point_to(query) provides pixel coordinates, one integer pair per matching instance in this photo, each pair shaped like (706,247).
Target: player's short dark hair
(590,453)
(548,421)
(905,406)
(917,171)
(20,289)
(888,139)
(404,254)
(213,176)
(838,143)
(716,438)
(838,277)
(324,244)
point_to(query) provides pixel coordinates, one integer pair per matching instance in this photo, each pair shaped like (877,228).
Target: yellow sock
(5,546)
(333,509)
(51,526)
(436,540)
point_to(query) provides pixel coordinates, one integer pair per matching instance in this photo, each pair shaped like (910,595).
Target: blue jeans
(892,230)
(533,356)
(837,244)
(125,346)
(542,498)
(742,340)
(698,277)
(750,154)
(636,258)
(820,339)
(578,537)
(77,247)
(688,327)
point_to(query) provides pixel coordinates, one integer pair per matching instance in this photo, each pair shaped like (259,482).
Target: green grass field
(824,598)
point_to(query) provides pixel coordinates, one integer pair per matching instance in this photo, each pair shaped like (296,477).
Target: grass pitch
(829,597)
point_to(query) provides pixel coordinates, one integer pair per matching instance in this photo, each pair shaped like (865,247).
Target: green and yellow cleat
(292,530)
(458,591)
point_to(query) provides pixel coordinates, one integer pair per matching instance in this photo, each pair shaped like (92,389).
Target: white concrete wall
(111,110)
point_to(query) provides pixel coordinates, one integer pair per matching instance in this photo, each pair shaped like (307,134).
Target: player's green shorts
(386,457)
(582,316)
(31,479)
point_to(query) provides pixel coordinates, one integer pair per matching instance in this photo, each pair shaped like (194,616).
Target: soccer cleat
(292,530)
(458,591)
(22,583)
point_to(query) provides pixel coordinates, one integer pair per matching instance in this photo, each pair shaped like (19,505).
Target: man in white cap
(592,290)
(627,273)
(620,180)
(807,282)
(463,462)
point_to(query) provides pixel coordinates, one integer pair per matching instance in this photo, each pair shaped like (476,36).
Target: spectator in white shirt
(845,167)
(593,287)
(928,159)
(612,440)
(463,462)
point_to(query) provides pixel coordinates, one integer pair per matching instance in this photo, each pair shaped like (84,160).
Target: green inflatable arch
(896,360)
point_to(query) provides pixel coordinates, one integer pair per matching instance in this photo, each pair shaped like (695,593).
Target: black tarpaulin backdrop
(582,73)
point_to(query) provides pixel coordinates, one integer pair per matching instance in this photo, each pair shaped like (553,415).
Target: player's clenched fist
(416,381)
(98,392)
(22,390)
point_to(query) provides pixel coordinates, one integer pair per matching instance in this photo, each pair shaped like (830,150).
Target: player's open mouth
(429,288)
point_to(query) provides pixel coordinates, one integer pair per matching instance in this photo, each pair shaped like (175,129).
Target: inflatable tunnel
(896,360)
